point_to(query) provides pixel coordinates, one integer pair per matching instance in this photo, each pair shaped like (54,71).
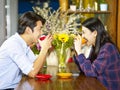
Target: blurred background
(10,10)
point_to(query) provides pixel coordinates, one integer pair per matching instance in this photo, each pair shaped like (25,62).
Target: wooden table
(80,82)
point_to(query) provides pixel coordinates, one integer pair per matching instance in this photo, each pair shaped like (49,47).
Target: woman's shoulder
(108,44)
(109,47)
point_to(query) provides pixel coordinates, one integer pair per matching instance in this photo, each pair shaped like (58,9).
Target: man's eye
(82,32)
(41,28)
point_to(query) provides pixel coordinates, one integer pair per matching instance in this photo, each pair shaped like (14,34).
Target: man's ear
(28,30)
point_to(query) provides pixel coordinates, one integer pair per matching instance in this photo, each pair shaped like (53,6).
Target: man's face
(37,31)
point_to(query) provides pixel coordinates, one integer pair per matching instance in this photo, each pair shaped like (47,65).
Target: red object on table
(43,76)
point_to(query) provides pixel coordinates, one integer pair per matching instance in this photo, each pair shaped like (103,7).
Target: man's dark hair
(29,19)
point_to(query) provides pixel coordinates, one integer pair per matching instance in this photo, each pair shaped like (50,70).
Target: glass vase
(61,58)
(62,55)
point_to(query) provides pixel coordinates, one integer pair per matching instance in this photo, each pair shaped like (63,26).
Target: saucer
(64,75)
(43,76)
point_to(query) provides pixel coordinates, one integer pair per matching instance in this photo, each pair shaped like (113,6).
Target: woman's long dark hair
(102,37)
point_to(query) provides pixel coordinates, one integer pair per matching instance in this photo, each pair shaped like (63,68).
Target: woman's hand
(78,44)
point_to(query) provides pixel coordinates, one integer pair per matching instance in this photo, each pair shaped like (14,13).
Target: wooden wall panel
(118,26)
(111,19)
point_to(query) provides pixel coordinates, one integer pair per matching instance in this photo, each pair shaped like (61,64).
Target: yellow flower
(63,37)
(55,36)
(73,35)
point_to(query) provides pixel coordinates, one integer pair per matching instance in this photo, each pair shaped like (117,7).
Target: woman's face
(89,36)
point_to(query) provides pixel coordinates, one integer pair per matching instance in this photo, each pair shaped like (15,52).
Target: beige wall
(2,22)
(8,26)
(12,13)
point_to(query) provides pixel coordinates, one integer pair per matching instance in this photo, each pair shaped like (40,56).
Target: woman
(104,59)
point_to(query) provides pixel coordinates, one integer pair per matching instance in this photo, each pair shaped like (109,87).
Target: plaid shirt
(106,67)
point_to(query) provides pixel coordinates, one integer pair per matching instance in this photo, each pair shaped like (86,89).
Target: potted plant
(103,5)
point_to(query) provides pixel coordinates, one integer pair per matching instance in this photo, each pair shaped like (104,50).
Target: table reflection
(52,70)
(80,82)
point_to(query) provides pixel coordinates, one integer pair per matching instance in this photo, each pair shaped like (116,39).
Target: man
(16,57)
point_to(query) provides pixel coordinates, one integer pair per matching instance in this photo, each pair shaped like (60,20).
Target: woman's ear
(95,33)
